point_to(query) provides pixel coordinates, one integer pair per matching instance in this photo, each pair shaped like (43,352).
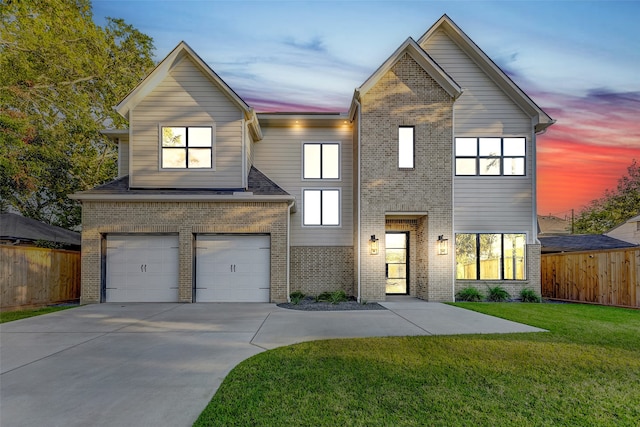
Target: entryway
(397,263)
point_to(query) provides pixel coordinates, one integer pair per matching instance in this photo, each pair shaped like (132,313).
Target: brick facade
(533,279)
(316,269)
(407,95)
(184,219)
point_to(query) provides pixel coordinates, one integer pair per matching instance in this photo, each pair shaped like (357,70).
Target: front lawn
(586,371)
(10,316)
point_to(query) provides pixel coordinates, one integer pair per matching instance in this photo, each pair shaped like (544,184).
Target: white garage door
(233,268)
(142,269)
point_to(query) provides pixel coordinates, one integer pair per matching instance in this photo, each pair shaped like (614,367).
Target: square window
(187,147)
(321,207)
(321,161)
(406,145)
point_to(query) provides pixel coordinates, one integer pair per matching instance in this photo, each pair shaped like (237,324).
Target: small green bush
(497,294)
(338,296)
(323,297)
(333,297)
(469,294)
(296,297)
(528,295)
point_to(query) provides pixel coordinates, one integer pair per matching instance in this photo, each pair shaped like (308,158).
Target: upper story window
(187,147)
(488,256)
(321,207)
(406,147)
(321,160)
(490,156)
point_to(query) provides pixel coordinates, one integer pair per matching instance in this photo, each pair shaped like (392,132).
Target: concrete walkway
(160,364)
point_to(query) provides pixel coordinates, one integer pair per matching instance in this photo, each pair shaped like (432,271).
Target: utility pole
(572,217)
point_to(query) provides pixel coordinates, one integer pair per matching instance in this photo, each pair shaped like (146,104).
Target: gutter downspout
(289,250)
(244,154)
(355,99)
(534,183)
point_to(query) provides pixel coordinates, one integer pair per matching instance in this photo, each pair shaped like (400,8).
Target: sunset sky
(578,60)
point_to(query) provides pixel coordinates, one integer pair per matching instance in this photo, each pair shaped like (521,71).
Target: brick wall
(316,269)
(184,219)
(512,286)
(407,95)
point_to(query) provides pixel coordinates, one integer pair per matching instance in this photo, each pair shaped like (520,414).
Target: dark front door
(397,259)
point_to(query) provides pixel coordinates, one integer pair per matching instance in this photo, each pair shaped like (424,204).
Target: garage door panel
(233,268)
(142,268)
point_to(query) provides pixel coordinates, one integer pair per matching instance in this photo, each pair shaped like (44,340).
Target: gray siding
(485,203)
(123,157)
(279,156)
(186,97)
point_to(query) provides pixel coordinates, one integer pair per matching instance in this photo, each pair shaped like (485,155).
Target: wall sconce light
(373,245)
(443,245)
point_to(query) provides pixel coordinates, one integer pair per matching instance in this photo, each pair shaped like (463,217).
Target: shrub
(528,295)
(338,296)
(497,294)
(333,297)
(469,294)
(296,297)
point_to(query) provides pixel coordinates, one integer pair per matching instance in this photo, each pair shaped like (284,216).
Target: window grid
(490,156)
(191,148)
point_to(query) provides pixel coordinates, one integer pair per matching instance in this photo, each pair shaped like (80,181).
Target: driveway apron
(160,364)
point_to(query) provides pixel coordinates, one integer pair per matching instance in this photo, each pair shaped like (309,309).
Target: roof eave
(163,68)
(423,59)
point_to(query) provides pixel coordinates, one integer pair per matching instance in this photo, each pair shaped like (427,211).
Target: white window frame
(502,258)
(186,126)
(477,158)
(304,206)
(302,161)
(413,147)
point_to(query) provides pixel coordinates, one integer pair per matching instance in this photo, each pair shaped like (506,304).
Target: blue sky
(579,60)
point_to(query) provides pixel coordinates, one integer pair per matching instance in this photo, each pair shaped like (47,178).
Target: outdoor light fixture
(443,245)
(373,245)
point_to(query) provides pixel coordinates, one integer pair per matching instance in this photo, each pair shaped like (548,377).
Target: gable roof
(423,59)
(18,227)
(164,67)
(581,242)
(491,69)
(629,221)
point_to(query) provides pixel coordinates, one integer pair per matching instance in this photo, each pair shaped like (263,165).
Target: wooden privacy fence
(31,277)
(610,277)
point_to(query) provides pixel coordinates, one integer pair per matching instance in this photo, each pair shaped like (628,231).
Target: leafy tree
(60,75)
(615,207)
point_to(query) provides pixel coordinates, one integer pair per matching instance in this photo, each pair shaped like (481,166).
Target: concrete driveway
(160,364)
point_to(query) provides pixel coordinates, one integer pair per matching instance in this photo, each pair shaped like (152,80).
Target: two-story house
(427,185)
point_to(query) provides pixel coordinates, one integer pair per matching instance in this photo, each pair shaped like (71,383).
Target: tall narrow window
(406,147)
(321,207)
(321,160)
(187,147)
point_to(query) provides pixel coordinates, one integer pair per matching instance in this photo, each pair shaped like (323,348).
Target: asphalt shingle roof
(581,242)
(18,227)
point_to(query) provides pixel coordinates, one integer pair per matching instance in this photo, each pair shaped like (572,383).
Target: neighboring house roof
(18,227)
(581,242)
(258,185)
(553,225)
(423,59)
(165,66)
(491,69)
(631,220)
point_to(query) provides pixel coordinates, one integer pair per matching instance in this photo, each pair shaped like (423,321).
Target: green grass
(585,371)
(10,316)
